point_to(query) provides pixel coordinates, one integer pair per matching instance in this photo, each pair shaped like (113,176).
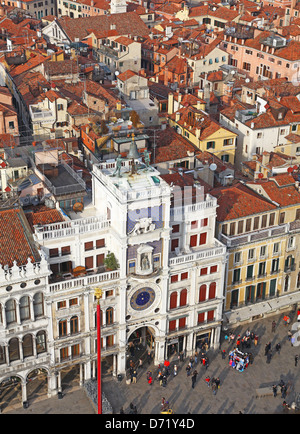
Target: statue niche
(144,260)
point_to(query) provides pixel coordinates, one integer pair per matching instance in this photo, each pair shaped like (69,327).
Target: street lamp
(98,295)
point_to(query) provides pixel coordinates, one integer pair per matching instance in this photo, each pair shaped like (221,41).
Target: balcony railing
(85,281)
(217,250)
(71,228)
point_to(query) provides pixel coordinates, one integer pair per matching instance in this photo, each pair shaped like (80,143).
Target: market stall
(238,360)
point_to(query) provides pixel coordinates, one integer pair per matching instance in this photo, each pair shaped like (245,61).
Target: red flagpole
(99,357)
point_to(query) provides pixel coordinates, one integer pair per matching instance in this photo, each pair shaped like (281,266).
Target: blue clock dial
(142,298)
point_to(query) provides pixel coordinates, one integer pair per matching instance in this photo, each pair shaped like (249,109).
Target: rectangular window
(236,275)
(172,325)
(175,229)
(281,218)
(174,244)
(232,228)
(61,304)
(256,223)
(272,219)
(184,276)
(193,240)
(250,254)
(264,221)
(89,245)
(250,269)
(174,278)
(248,225)
(100,243)
(202,239)
(240,226)
(201,317)
(237,257)
(272,287)
(203,271)
(66,250)
(204,222)
(261,268)
(275,265)
(213,269)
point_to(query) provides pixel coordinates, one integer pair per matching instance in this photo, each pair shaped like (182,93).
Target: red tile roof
(125,24)
(16,239)
(239,201)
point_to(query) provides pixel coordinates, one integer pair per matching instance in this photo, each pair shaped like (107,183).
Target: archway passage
(37,384)
(141,343)
(10,392)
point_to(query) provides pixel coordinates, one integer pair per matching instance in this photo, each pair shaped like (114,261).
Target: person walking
(296,359)
(273,326)
(175,370)
(274,387)
(217,381)
(255,340)
(223,354)
(194,378)
(290,334)
(278,347)
(250,358)
(283,391)
(134,376)
(207,380)
(269,356)
(188,370)
(214,388)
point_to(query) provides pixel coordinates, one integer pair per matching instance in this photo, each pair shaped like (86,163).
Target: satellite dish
(247,80)
(213,167)
(117,73)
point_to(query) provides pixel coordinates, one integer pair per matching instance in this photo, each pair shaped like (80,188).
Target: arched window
(62,328)
(38,305)
(27,346)
(74,325)
(24,308)
(2,355)
(41,346)
(10,312)
(202,293)
(173,300)
(183,297)
(109,315)
(13,349)
(212,290)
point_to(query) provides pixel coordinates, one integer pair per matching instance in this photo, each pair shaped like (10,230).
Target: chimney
(170,103)
(177,116)
(166,76)
(265,158)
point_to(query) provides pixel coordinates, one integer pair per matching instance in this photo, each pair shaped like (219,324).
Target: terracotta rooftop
(239,201)
(16,239)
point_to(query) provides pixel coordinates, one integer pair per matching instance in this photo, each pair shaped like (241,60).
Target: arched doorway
(140,343)
(10,392)
(37,384)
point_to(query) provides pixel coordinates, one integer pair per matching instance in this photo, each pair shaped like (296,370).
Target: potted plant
(111,262)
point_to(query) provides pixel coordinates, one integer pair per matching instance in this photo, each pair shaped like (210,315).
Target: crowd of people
(239,348)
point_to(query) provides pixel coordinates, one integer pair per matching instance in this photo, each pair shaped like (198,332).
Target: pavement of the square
(237,392)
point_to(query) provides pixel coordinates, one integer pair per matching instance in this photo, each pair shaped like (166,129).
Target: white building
(167,290)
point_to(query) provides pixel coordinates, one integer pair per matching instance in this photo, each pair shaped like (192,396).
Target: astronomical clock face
(142,298)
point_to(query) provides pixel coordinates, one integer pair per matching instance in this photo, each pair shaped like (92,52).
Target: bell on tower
(133,154)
